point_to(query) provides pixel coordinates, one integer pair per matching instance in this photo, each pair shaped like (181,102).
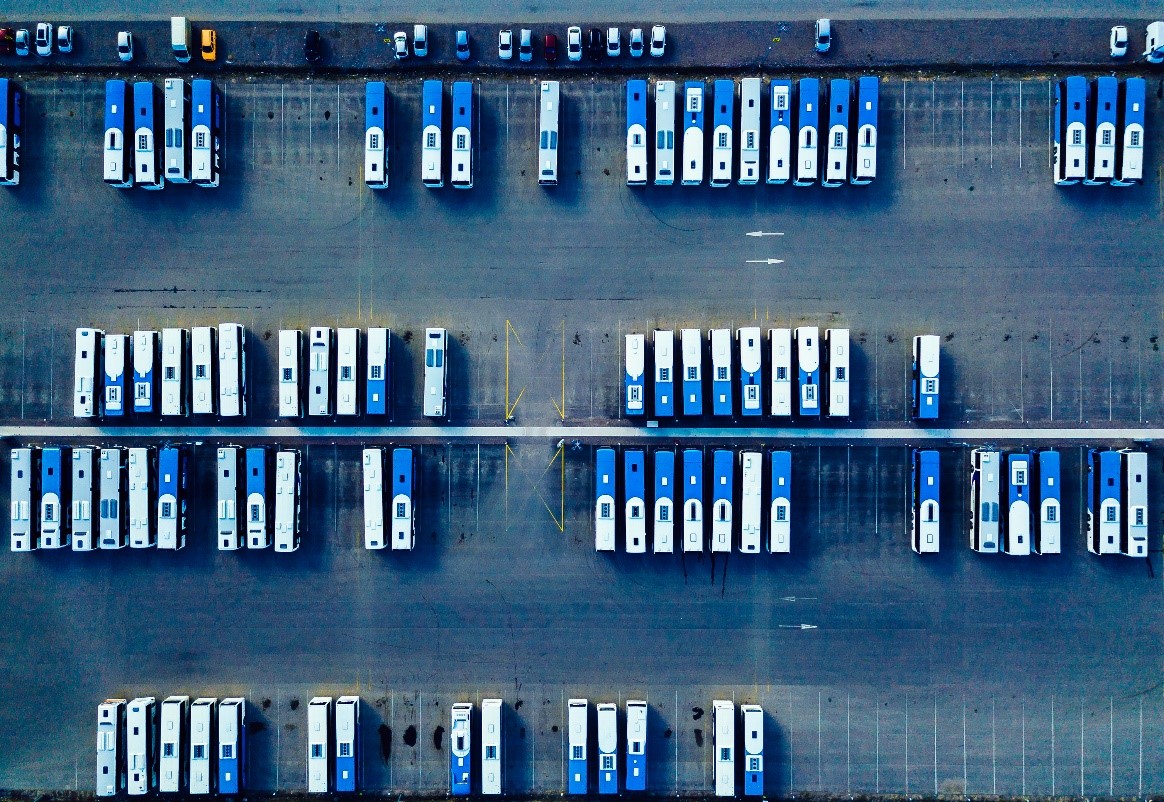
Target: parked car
(613,43)
(125,45)
(463,45)
(22,40)
(574,43)
(1119,41)
(525,45)
(824,35)
(312,47)
(594,44)
(550,47)
(505,45)
(44,39)
(209,45)
(400,45)
(65,38)
(658,40)
(420,40)
(7,41)
(635,44)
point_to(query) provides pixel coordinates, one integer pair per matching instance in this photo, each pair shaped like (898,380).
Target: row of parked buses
(11,125)
(175,747)
(1034,489)
(187,113)
(1099,130)
(793,107)
(402,516)
(139,496)
(271,509)
(762,475)
(202,370)
(462,124)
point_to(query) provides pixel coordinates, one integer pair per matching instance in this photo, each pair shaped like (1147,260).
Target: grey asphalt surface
(920,673)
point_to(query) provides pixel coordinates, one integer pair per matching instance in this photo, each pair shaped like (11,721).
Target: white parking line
(993,751)
(1024,786)
(1052,744)
(1081,707)
(935,744)
(965,774)
(962,134)
(1020,115)
(907,744)
(904,120)
(819,785)
(877,743)
(1111,746)
(848,760)
(991,123)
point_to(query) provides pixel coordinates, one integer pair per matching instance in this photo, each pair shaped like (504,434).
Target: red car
(551,48)
(7,41)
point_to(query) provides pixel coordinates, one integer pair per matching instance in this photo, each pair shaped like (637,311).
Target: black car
(312,47)
(595,44)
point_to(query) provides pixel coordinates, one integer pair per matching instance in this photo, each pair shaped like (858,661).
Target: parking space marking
(848,757)
(819,785)
(993,750)
(1020,124)
(877,745)
(282,128)
(965,772)
(962,129)
(904,122)
(992,123)
(1024,753)
(935,744)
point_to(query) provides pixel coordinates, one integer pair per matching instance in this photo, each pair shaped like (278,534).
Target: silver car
(824,35)
(505,45)
(525,45)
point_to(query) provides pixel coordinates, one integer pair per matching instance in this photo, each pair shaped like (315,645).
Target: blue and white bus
(23,524)
(780,503)
(636,745)
(147,150)
(635,485)
(403,500)
(607,748)
(171,497)
(753,723)
(1134,520)
(985,500)
(723,488)
(1103,501)
(926,353)
(232,745)
(780,345)
(145,383)
(118,157)
(205,133)
(807,339)
(751,508)
(1102,122)
(258,499)
(176,95)
(723,118)
(836,343)
(461,749)
(347,744)
(865,153)
(691,345)
(230,528)
(807,132)
(604,484)
(1050,503)
(11,127)
(1016,533)
(83,484)
(376,135)
(751,371)
(664,528)
(1130,159)
(378,385)
(749,131)
(432,132)
(577,713)
(115,360)
(636,133)
(780,132)
(1070,130)
(664,374)
(721,372)
(693,147)
(925,470)
(461,163)
(664,133)
(112,489)
(692,499)
(634,376)
(837,159)
(319,741)
(54,487)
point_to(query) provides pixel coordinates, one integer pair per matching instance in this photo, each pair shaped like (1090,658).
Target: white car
(44,39)
(635,43)
(65,38)
(505,45)
(400,45)
(574,43)
(658,40)
(824,35)
(420,40)
(613,43)
(1119,41)
(125,46)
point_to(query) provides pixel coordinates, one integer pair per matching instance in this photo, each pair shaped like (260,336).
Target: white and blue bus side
(577,713)
(723,745)
(1134,517)
(664,133)
(377,387)
(779,132)
(635,486)
(636,133)
(230,528)
(115,359)
(319,372)
(232,370)
(751,509)
(287,500)
(290,366)
(664,374)
(11,128)
(691,350)
(347,744)
(634,377)
(1103,501)
(836,342)
(110,747)
(461,163)
(147,150)
(172,757)
(492,735)
(1016,533)
(172,472)
(203,371)
(174,396)
(722,492)
(258,517)
(723,119)
(432,132)
(780,346)
(112,489)
(119,157)
(374,498)
(664,524)
(753,723)
(140,745)
(54,487)
(205,133)
(749,131)
(925,469)
(693,147)
(837,158)
(1070,130)
(865,153)
(751,371)
(319,740)
(985,500)
(722,404)
(376,135)
(461,749)
(636,745)
(145,382)
(807,132)
(82,487)
(347,375)
(607,748)
(203,720)
(605,481)
(780,503)
(436,372)
(926,360)
(176,96)
(232,745)
(86,354)
(403,500)
(807,340)
(140,478)
(1130,158)
(548,134)
(692,499)
(1050,503)
(1102,122)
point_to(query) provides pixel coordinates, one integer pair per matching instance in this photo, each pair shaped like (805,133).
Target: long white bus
(780,132)
(435,372)
(202,365)
(110,756)
(1134,521)
(664,133)
(780,345)
(723,725)
(172,755)
(89,341)
(232,370)
(230,536)
(202,720)
(176,94)
(140,728)
(173,372)
(319,745)
(749,131)
(492,735)
(751,474)
(22,529)
(548,135)
(290,349)
(287,501)
(374,498)
(139,476)
(837,348)
(83,488)
(112,499)
(985,468)
(347,367)
(319,372)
